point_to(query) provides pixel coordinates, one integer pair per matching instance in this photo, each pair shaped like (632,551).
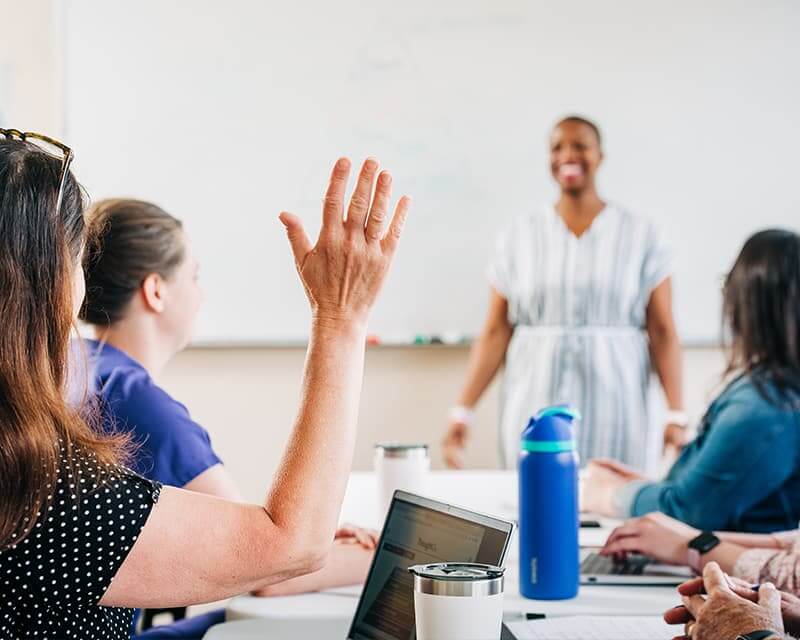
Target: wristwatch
(758,635)
(699,546)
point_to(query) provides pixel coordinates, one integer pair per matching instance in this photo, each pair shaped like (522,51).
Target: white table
(492,492)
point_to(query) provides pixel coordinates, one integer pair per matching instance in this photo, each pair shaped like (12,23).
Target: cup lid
(458,579)
(401,450)
(400,446)
(458,571)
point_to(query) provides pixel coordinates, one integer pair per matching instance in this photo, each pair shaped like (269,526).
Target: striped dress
(578,308)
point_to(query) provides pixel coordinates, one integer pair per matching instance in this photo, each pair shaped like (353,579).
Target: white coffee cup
(400,466)
(458,600)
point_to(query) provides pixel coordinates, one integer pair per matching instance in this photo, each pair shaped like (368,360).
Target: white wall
(30,62)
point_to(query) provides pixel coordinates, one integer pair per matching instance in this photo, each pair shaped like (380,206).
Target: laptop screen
(420,531)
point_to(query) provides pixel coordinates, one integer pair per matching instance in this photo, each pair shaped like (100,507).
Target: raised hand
(344,271)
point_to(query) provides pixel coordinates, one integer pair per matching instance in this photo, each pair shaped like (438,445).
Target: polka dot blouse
(51,581)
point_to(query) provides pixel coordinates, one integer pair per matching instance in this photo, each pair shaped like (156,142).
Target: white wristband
(678,418)
(462,414)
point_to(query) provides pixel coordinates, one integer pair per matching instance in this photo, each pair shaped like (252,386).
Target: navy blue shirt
(741,473)
(172,448)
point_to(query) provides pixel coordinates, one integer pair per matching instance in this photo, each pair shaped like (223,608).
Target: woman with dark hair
(742,472)
(580,312)
(81,537)
(142,298)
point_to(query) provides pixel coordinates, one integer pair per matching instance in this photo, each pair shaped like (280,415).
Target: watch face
(705,542)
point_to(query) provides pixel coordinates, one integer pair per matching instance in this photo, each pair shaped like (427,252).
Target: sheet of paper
(594,628)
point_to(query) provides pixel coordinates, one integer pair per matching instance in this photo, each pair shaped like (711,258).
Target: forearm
(665,350)
(759,540)
(485,359)
(347,565)
(320,449)
(725,554)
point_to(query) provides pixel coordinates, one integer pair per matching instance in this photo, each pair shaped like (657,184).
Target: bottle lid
(551,430)
(562,410)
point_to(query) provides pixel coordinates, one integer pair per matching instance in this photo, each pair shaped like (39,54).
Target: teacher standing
(580,312)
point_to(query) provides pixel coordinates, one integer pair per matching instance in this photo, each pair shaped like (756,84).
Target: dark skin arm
(665,352)
(485,359)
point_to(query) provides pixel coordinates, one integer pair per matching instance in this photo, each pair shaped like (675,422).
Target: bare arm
(347,565)
(488,352)
(198,548)
(780,540)
(665,350)
(485,359)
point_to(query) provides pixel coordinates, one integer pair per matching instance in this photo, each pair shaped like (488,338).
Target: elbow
(315,559)
(662,333)
(498,331)
(309,555)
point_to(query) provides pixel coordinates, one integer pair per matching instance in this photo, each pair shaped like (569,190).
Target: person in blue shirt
(742,472)
(142,297)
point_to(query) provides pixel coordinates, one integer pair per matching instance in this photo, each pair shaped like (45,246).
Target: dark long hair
(127,240)
(762,308)
(39,249)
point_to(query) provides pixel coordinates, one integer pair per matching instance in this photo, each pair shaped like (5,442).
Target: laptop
(418,530)
(636,570)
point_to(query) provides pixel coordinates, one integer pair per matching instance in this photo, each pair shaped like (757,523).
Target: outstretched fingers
(362,194)
(333,206)
(298,239)
(395,230)
(380,207)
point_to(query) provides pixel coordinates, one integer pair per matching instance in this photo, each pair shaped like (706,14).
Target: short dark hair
(762,308)
(127,240)
(581,120)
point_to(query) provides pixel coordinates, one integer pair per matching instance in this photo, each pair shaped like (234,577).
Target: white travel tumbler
(458,600)
(400,466)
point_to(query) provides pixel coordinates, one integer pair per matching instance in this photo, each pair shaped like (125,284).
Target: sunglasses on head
(48,145)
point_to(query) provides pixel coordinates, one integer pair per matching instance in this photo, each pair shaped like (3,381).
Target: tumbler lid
(458,579)
(401,450)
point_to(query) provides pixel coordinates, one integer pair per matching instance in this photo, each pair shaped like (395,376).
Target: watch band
(693,560)
(678,418)
(698,547)
(758,635)
(462,414)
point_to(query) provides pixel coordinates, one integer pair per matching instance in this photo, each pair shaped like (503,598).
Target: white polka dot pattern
(51,581)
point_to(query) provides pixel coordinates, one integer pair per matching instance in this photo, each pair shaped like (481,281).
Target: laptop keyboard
(595,564)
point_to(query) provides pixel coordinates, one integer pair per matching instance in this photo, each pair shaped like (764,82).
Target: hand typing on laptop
(655,535)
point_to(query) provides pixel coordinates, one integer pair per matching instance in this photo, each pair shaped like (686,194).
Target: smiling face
(575,156)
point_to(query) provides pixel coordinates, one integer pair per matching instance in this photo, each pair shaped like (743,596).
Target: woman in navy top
(742,472)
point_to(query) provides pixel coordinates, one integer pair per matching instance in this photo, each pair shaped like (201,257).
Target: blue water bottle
(549,559)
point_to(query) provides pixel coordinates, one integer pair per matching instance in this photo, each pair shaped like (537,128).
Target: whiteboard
(226,113)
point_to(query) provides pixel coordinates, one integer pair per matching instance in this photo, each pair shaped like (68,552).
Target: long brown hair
(39,249)
(762,310)
(127,240)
